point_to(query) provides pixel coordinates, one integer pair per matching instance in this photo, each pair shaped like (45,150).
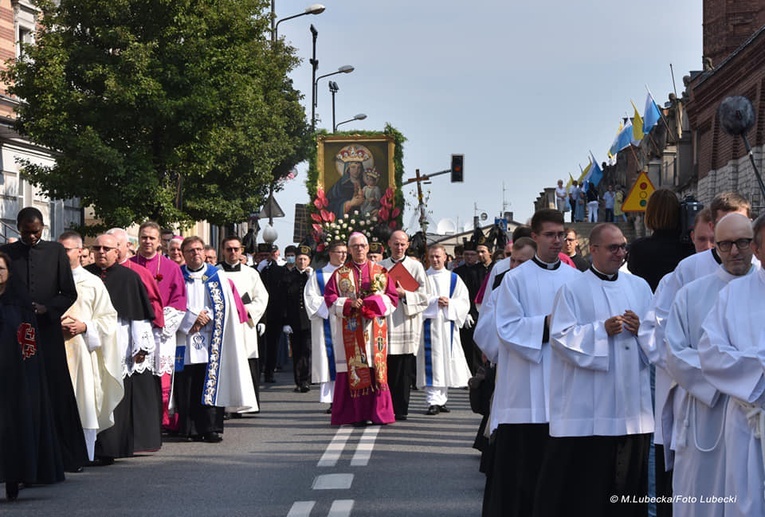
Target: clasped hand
(628,321)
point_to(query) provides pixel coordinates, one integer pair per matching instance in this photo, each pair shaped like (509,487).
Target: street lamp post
(314,66)
(345,69)
(333,89)
(360,116)
(311,9)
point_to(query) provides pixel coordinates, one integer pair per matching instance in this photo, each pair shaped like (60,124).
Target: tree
(170,109)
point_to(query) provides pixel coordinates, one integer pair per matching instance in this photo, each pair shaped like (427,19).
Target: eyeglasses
(233,249)
(612,248)
(725,246)
(554,235)
(570,240)
(104,249)
(194,250)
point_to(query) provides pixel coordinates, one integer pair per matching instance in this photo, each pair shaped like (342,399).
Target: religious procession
(162,352)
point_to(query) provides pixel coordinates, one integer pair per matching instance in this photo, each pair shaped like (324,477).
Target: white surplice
(94,357)
(441,361)
(524,299)
(222,341)
(600,384)
(405,322)
(322,346)
(732,352)
(247,281)
(695,414)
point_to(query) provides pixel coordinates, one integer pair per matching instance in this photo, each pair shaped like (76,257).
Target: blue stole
(428,344)
(218,301)
(327,329)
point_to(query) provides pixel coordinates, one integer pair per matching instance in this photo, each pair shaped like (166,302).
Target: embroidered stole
(355,339)
(213,286)
(428,341)
(327,330)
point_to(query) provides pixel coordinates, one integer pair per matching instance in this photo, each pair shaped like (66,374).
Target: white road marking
(301,509)
(341,508)
(335,447)
(366,444)
(332,482)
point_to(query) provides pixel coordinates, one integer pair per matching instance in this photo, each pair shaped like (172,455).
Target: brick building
(720,161)
(17,24)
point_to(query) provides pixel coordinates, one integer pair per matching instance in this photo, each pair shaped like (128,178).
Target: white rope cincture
(756,417)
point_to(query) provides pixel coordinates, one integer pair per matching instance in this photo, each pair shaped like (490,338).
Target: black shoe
(11,490)
(270,379)
(432,410)
(101,461)
(212,437)
(444,409)
(400,418)
(74,470)
(305,388)
(329,410)
(297,389)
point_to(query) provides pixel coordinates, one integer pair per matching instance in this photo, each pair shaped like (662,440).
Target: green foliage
(175,110)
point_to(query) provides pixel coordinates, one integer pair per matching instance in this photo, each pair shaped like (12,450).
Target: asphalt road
(288,461)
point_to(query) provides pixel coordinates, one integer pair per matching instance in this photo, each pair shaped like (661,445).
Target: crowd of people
(592,362)
(653,346)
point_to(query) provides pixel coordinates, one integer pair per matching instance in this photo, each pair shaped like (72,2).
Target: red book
(398,273)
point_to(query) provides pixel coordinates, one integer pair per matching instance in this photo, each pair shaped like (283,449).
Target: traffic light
(457,160)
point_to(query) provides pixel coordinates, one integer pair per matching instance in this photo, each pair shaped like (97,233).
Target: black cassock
(44,270)
(473,277)
(29,451)
(138,417)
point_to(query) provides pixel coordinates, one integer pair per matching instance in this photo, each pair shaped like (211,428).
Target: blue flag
(651,114)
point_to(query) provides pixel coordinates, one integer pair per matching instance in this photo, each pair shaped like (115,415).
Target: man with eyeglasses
(254,297)
(137,418)
(359,297)
(43,268)
(519,411)
(696,266)
(698,408)
(601,416)
(322,326)
(730,351)
(211,256)
(211,370)
(569,249)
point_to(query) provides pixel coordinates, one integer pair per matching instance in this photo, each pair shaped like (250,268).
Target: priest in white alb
(92,353)
(441,362)
(405,322)
(695,414)
(519,410)
(731,352)
(601,416)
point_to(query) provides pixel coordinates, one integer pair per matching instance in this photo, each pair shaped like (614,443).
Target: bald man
(697,408)
(404,323)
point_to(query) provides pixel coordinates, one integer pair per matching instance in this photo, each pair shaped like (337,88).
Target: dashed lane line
(332,482)
(301,509)
(365,446)
(341,508)
(335,447)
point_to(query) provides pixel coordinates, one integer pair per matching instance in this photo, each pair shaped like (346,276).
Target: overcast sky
(523,89)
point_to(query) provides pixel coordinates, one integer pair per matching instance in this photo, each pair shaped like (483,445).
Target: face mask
(290,260)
